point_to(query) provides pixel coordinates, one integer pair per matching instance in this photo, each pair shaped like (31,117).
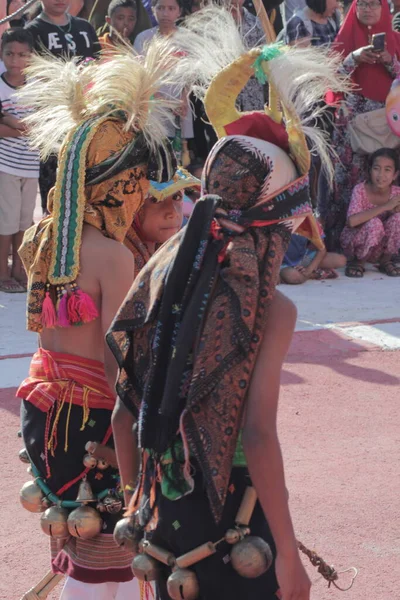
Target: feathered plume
(209,40)
(146,88)
(54,93)
(61,93)
(301,76)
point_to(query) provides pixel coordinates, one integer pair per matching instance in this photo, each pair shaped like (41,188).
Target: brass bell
(84,522)
(102,464)
(146,568)
(54,522)
(89,461)
(124,535)
(232,536)
(32,498)
(23,456)
(251,557)
(85,493)
(183,585)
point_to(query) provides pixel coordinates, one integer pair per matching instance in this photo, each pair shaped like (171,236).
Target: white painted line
(13,371)
(384,335)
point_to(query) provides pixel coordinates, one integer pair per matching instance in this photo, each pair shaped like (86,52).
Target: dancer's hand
(100,451)
(293,580)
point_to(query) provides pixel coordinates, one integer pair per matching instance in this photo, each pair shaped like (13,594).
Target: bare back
(107,272)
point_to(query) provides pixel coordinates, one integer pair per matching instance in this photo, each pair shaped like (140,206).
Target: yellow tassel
(68,417)
(85,407)
(50,445)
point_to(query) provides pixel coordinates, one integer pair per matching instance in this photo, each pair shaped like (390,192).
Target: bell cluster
(58,522)
(250,556)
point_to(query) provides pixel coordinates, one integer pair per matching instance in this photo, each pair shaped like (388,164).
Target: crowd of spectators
(83,28)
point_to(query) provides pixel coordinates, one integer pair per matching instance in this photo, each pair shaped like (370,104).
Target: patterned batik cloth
(378,236)
(66,402)
(187,336)
(109,206)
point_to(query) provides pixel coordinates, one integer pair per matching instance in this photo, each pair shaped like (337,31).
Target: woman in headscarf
(372,73)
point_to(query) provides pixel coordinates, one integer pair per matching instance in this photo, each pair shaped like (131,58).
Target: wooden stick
(44,587)
(269,31)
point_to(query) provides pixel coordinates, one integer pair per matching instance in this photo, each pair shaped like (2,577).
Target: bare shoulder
(104,254)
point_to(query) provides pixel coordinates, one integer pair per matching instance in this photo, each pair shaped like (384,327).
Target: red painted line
(16,356)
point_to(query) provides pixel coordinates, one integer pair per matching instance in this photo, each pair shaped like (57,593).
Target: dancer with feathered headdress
(202,334)
(109,132)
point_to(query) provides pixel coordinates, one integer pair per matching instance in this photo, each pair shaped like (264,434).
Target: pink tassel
(73,309)
(49,316)
(63,312)
(87,308)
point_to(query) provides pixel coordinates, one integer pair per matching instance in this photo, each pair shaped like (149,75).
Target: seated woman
(372,233)
(302,262)
(372,72)
(316,24)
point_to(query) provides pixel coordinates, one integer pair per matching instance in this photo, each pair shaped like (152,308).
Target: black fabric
(161,166)
(78,38)
(47,178)
(66,466)
(179,532)
(185,287)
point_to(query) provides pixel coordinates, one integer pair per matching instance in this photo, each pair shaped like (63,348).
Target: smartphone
(378,42)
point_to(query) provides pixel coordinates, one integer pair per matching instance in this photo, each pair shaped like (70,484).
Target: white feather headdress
(61,93)
(210,41)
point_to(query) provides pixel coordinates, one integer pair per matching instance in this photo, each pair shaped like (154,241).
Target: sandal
(390,269)
(354,269)
(11,286)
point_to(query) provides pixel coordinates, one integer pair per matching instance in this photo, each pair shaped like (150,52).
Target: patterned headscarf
(187,336)
(95,185)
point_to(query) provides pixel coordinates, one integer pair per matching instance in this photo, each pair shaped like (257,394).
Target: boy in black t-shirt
(57,32)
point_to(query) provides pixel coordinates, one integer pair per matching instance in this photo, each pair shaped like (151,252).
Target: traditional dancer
(112,144)
(201,338)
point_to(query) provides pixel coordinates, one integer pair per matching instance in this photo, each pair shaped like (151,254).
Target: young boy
(19,165)
(61,34)
(167,13)
(121,18)
(161,216)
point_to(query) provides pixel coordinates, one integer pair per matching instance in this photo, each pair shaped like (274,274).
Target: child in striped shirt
(19,164)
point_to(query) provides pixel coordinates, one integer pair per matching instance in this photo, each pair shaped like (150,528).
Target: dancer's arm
(126,448)
(262,448)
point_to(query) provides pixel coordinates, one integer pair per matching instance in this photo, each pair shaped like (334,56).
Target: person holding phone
(370,50)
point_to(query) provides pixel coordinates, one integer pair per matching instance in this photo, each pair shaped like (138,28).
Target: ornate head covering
(186,338)
(112,142)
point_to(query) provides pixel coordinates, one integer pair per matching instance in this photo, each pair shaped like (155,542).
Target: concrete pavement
(339,427)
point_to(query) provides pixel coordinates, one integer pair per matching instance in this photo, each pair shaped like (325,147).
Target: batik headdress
(108,128)
(188,335)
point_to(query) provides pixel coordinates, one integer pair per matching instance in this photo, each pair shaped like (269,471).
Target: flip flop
(11,286)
